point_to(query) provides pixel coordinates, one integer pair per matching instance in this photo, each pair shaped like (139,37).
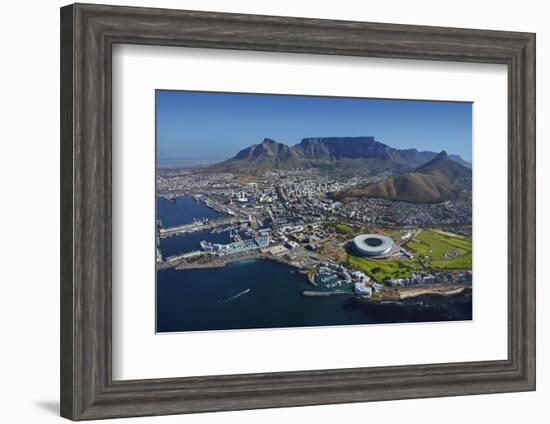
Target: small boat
(229,299)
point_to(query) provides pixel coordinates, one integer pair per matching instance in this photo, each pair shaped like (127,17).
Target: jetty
(195,226)
(318,293)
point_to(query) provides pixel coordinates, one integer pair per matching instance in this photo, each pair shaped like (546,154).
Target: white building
(362,290)
(373,244)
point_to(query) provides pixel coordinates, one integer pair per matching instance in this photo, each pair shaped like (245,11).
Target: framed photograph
(266,211)
(250,229)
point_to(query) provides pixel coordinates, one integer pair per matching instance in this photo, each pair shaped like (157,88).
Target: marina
(279,217)
(181,210)
(189,300)
(241,275)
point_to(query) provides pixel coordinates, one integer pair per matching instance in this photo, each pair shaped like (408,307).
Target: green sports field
(380,269)
(396,235)
(441,250)
(344,228)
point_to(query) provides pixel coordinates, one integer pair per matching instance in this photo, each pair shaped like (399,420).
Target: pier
(314,293)
(196,226)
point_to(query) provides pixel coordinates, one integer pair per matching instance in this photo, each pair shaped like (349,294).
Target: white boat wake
(229,299)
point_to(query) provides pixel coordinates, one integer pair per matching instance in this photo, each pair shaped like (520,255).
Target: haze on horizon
(209,125)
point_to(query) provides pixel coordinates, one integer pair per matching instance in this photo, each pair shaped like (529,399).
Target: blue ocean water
(263,294)
(183,210)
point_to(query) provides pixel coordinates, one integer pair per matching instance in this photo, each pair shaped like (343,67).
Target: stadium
(373,245)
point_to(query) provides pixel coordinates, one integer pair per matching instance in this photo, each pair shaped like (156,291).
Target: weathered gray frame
(88,33)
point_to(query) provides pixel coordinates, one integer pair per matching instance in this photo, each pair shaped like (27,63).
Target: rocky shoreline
(395,295)
(222,262)
(390,294)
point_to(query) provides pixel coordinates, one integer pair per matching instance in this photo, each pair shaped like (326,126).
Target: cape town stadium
(372,244)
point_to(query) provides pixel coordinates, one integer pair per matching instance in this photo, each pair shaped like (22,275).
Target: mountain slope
(461,161)
(438,180)
(259,158)
(442,163)
(343,152)
(410,187)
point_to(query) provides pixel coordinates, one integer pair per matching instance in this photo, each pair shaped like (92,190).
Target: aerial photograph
(280,211)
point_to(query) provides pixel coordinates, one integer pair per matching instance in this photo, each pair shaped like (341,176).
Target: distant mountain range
(327,152)
(438,180)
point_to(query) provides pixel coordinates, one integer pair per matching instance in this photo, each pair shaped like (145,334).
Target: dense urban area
(298,217)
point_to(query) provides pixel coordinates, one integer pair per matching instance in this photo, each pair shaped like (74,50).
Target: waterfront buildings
(290,217)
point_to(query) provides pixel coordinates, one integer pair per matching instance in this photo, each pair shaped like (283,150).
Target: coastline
(317,293)
(433,290)
(220,262)
(402,294)
(393,294)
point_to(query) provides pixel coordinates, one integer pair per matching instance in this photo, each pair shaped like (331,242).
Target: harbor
(222,241)
(317,228)
(238,266)
(193,299)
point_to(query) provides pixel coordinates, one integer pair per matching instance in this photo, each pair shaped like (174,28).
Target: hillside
(325,152)
(438,180)
(443,164)
(261,157)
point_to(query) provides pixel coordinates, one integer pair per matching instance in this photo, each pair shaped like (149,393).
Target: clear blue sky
(202,125)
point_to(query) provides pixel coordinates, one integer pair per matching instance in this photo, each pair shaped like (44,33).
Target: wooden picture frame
(88,33)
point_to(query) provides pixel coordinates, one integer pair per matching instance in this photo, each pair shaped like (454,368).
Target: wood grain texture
(88,33)
(66,211)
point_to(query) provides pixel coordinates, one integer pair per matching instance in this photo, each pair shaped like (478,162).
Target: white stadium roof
(373,244)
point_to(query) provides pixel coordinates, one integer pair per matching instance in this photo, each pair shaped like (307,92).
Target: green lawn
(462,262)
(433,245)
(380,269)
(345,228)
(396,235)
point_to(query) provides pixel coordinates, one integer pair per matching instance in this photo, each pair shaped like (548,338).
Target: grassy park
(397,235)
(442,250)
(344,228)
(380,269)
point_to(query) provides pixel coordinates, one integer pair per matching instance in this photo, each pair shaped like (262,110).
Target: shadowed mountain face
(262,157)
(344,152)
(334,148)
(436,181)
(268,149)
(443,164)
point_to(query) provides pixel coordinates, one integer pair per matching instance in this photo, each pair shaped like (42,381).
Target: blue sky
(204,125)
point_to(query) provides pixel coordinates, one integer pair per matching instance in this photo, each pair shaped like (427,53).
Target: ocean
(259,293)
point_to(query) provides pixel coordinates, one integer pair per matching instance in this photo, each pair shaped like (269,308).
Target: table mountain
(343,152)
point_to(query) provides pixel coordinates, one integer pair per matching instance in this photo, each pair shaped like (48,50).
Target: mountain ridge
(326,151)
(436,181)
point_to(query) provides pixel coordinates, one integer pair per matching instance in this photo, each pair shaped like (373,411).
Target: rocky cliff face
(322,152)
(267,149)
(342,148)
